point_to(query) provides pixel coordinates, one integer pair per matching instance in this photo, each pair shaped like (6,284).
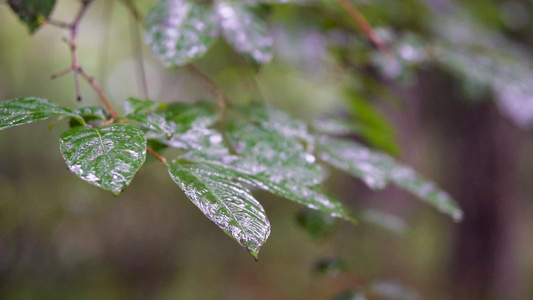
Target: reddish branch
(365,26)
(156,155)
(76,67)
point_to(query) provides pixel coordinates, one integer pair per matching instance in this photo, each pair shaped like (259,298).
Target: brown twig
(157,155)
(76,67)
(74,46)
(365,26)
(96,87)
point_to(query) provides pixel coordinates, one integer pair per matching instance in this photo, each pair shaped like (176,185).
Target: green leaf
(28,110)
(154,122)
(180,31)
(225,202)
(142,111)
(245,30)
(370,166)
(280,165)
(107,157)
(32,12)
(92,113)
(266,158)
(426,190)
(377,170)
(136,106)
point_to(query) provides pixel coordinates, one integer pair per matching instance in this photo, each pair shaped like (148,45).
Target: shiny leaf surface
(92,113)
(143,112)
(28,110)
(426,190)
(377,170)
(281,165)
(107,157)
(225,202)
(371,167)
(180,31)
(136,106)
(245,30)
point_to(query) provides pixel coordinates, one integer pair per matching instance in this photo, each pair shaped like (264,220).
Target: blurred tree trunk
(484,149)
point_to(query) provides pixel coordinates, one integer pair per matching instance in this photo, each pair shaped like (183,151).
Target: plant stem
(157,155)
(96,87)
(75,65)
(136,45)
(358,17)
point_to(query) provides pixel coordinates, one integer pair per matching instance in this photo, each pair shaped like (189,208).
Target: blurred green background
(63,239)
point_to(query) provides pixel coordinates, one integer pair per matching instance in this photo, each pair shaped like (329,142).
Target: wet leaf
(92,116)
(28,110)
(180,31)
(225,202)
(155,122)
(426,190)
(92,113)
(137,106)
(32,12)
(370,166)
(280,165)
(245,30)
(107,157)
(377,170)
(143,112)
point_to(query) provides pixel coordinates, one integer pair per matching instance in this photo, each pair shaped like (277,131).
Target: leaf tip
(255,254)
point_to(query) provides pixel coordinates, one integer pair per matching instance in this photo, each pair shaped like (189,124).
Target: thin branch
(96,87)
(76,66)
(358,17)
(61,73)
(136,45)
(74,46)
(57,23)
(157,155)
(104,54)
(223,102)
